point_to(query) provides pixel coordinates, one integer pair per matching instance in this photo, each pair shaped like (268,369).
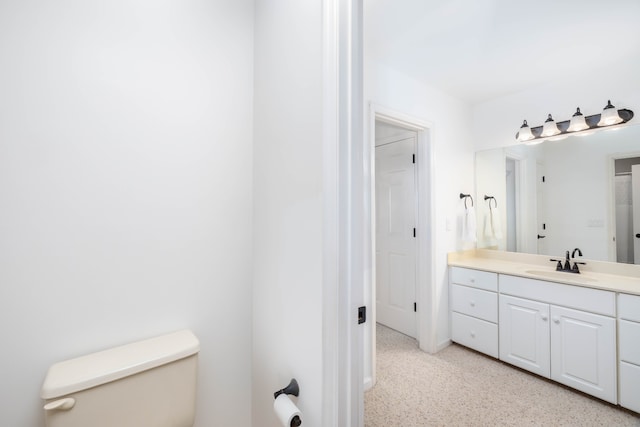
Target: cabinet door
(524,334)
(583,352)
(630,386)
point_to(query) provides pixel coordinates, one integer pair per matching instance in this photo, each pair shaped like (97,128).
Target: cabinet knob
(472,303)
(544,317)
(556,319)
(473,334)
(472,280)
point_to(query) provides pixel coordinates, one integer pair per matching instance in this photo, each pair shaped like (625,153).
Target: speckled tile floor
(459,387)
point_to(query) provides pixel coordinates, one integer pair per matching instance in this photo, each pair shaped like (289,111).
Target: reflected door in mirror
(635,188)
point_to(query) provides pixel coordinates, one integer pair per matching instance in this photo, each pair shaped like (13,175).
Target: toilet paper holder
(291,389)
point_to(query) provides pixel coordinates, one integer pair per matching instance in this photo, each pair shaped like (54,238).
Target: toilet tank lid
(94,369)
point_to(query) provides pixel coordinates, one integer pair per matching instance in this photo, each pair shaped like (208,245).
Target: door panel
(635,189)
(395,242)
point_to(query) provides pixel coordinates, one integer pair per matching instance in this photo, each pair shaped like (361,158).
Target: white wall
(125,189)
(288,205)
(453,161)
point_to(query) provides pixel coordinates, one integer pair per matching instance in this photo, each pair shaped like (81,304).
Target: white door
(635,190)
(583,352)
(540,210)
(395,231)
(524,334)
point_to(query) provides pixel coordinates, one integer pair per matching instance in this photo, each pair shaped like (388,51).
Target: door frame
(425,253)
(343,207)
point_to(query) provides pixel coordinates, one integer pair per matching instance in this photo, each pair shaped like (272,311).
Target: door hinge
(414,232)
(362,314)
(415,307)
(414,158)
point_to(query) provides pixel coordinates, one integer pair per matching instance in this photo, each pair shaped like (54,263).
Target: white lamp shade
(525,132)
(609,116)
(549,128)
(577,123)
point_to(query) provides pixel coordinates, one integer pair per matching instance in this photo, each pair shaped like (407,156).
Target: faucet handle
(575,268)
(559,265)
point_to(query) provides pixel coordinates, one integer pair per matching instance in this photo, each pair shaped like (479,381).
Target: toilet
(150,383)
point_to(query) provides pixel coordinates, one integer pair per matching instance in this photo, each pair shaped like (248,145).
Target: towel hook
(465,197)
(490,198)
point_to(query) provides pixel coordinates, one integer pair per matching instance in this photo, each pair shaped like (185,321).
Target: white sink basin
(561,275)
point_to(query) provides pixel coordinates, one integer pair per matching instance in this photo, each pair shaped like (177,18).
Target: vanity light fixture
(549,128)
(578,125)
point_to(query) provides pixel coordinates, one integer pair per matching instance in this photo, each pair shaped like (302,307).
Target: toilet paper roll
(286,411)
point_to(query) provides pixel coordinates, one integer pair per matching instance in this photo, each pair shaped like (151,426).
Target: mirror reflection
(579,192)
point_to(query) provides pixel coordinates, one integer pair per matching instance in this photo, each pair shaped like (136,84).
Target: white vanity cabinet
(566,333)
(474,309)
(629,343)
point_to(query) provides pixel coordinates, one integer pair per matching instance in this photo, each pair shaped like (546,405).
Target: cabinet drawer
(475,278)
(474,333)
(629,307)
(475,302)
(629,386)
(629,341)
(580,298)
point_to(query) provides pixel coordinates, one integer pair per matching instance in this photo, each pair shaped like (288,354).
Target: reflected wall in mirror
(559,195)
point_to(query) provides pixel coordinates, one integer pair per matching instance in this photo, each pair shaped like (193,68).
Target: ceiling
(477,50)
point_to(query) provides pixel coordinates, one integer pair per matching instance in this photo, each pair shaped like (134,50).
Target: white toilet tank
(150,383)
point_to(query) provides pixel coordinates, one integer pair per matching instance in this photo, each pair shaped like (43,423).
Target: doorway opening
(513,184)
(395,133)
(627,209)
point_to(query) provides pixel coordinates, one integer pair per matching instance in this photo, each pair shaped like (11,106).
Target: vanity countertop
(608,276)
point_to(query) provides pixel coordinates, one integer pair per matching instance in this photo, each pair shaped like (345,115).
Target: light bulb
(525,132)
(549,128)
(609,116)
(578,122)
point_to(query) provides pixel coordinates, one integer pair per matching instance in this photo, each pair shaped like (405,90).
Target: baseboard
(368,383)
(443,345)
